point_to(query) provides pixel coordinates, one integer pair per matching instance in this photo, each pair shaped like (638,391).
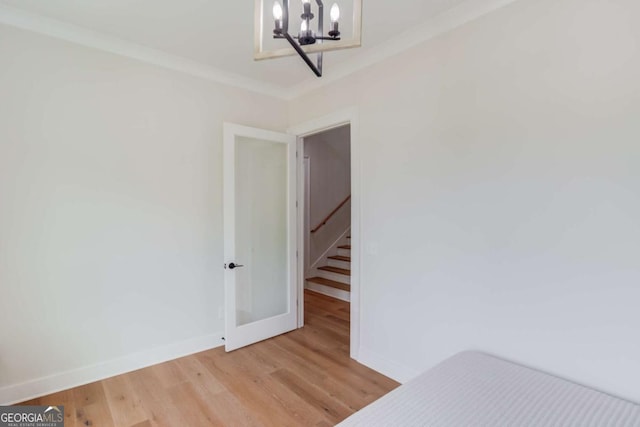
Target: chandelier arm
(316,69)
(285,16)
(319,62)
(320,34)
(320,19)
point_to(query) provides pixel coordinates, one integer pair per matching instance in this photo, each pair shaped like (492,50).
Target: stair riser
(339,264)
(344,252)
(327,290)
(334,276)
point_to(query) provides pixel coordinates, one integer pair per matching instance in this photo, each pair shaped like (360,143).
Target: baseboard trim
(57,382)
(387,367)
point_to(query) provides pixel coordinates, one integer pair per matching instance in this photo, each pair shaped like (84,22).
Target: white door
(259,234)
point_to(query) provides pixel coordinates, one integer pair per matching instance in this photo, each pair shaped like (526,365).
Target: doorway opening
(347,117)
(327,212)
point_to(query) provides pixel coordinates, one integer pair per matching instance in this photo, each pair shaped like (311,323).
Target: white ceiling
(219,34)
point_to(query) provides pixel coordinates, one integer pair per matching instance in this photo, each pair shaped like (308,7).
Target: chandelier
(306,36)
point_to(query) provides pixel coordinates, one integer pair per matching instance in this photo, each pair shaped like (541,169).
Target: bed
(475,389)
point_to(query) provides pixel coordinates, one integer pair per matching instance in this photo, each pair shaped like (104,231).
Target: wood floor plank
(231,411)
(146,384)
(304,377)
(309,352)
(125,406)
(191,409)
(169,374)
(351,396)
(247,383)
(315,397)
(294,404)
(336,331)
(195,372)
(95,414)
(148,388)
(64,398)
(89,394)
(92,408)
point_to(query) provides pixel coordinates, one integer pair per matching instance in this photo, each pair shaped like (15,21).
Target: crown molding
(72,33)
(439,24)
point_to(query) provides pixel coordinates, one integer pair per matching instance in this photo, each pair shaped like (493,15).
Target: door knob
(233,265)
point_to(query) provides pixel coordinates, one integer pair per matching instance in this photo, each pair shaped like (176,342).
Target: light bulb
(335,13)
(303,26)
(277,11)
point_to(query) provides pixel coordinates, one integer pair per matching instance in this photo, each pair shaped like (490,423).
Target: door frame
(306,214)
(339,118)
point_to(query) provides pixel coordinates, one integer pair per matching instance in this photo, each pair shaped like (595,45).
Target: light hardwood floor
(303,378)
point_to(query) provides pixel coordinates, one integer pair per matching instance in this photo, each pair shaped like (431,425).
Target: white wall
(110,211)
(501,193)
(329,155)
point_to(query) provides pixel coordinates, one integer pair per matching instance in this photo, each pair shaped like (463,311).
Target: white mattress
(474,389)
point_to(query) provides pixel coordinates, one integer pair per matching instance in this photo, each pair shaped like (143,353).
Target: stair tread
(341,258)
(345,247)
(330,283)
(336,270)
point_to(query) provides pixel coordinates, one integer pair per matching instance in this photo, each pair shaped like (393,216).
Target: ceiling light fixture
(306,36)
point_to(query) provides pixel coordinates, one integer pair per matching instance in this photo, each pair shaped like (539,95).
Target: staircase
(334,278)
